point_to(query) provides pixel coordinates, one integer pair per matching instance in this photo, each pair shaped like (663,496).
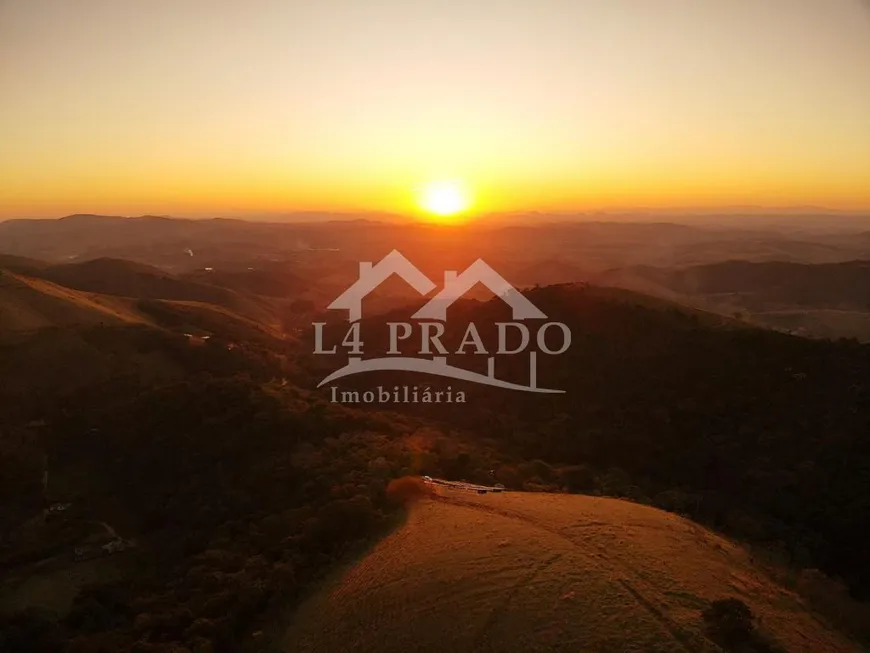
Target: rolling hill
(826,300)
(27,304)
(540,572)
(131,294)
(243,485)
(21,264)
(55,340)
(549,272)
(268,280)
(769,285)
(129,279)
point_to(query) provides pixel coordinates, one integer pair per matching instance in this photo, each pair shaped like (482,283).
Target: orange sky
(203,107)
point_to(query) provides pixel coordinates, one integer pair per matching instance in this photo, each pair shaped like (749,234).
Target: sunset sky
(231,107)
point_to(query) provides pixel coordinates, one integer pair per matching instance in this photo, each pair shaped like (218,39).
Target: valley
(695,457)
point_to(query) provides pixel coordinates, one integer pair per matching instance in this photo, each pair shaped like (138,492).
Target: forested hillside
(758,433)
(241,485)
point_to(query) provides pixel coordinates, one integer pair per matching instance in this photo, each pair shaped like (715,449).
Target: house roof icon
(371,276)
(455,286)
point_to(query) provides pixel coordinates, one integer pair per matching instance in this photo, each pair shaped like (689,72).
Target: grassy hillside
(128,279)
(538,572)
(110,292)
(27,304)
(201,318)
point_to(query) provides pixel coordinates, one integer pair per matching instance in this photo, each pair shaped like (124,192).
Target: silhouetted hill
(826,300)
(27,304)
(267,279)
(770,285)
(20,264)
(128,279)
(547,273)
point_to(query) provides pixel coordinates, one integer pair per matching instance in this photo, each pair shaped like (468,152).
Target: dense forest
(240,489)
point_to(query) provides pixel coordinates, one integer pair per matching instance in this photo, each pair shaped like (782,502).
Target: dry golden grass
(219,317)
(546,572)
(27,304)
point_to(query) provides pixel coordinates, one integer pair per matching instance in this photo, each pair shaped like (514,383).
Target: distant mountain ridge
(595,242)
(825,299)
(835,285)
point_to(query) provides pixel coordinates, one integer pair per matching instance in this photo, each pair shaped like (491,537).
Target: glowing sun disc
(444,198)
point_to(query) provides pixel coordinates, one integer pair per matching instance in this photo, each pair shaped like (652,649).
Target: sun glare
(444,199)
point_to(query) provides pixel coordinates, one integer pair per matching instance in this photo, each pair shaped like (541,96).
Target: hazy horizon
(195,108)
(692,216)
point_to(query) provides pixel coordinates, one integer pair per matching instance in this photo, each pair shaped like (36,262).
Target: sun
(444,199)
